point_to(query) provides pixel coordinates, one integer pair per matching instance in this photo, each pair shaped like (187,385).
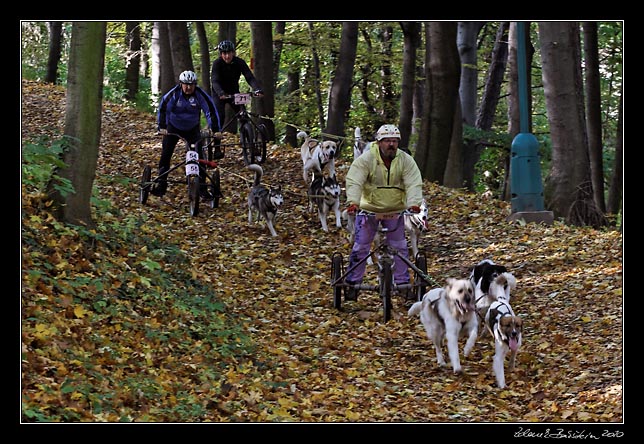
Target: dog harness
(498,314)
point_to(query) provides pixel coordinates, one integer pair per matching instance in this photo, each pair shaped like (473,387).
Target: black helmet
(226,46)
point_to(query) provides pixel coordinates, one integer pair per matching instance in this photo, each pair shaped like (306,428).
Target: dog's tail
(302,135)
(356,134)
(415,309)
(258,173)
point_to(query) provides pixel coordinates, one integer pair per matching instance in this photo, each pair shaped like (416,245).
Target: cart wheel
(385,290)
(260,145)
(336,272)
(247,141)
(144,191)
(215,189)
(193,194)
(421,264)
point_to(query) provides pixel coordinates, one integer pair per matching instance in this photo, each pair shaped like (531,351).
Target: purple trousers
(365,230)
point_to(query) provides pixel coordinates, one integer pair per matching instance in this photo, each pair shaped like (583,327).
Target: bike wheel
(386,280)
(260,143)
(144,190)
(421,264)
(247,141)
(193,194)
(336,272)
(215,189)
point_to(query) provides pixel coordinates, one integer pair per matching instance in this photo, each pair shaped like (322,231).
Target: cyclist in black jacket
(180,113)
(224,77)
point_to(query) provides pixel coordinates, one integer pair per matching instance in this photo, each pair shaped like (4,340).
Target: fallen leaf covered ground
(99,329)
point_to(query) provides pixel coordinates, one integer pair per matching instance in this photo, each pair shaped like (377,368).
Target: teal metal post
(525,171)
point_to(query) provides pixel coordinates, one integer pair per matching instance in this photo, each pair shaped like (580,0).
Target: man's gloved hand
(163,131)
(414,209)
(351,209)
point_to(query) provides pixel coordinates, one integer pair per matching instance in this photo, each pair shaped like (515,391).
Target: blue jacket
(184,112)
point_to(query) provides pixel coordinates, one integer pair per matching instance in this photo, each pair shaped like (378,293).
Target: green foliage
(40,163)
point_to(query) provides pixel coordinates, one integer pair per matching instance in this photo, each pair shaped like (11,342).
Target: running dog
(491,282)
(316,156)
(449,313)
(324,193)
(263,202)
(506,328)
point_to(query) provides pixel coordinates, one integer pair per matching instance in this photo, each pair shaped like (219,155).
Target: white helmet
(188,77)
(386,131)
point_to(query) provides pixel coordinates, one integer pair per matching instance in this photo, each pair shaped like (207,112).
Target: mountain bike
(194,164)
(385,255)
(253,136)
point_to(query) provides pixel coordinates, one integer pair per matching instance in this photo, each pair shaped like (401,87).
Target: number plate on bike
(192,167)
(242,98)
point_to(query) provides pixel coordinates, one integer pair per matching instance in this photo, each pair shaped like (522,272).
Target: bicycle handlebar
(257,93)
(391,215)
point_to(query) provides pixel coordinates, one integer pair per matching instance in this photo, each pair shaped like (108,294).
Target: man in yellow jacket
(384,179)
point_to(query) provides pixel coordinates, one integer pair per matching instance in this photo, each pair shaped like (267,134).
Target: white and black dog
(263,202)
(324,194)
(316,156)
(506,328)
(491,282)
(449,313)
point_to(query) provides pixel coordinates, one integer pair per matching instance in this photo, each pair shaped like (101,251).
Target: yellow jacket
(378,190)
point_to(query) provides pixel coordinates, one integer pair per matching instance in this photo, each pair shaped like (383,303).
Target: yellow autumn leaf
(80,312)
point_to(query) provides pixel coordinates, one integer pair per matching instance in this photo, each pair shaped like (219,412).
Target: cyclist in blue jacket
(180,113)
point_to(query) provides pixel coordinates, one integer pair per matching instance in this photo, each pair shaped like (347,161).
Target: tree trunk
(443,76)
(453,177)
(366,74)
(316,74)
(340,94)
(162,69)
(467,50)
(262,39)
(293,88)
(82,122)
(411,36)
(615,190)
(227,31)
(568,191)
(278,43)
(180,48)
(132,60)
(593,112)
(55,43)
(204,55)
(390,103)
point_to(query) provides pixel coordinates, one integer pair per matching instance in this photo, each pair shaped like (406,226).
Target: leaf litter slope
(314,363)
